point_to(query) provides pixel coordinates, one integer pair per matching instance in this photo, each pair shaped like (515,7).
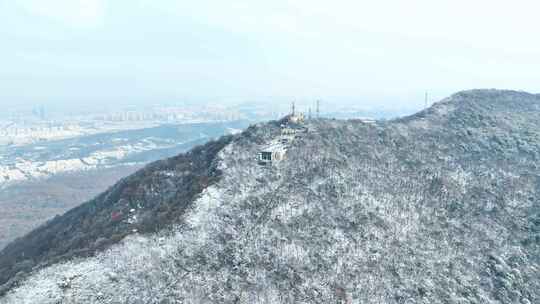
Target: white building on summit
(272,153)
(291,127)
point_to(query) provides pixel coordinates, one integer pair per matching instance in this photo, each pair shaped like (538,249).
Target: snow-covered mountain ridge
(438,207)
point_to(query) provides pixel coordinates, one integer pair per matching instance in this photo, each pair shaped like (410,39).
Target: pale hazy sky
(150,51)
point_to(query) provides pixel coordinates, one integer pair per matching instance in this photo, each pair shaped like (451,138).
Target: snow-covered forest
(439,207)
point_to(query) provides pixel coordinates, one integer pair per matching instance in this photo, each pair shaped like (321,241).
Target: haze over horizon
(98,52)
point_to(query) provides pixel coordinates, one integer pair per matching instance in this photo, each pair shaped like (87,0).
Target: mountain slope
(438,207)
(146,201)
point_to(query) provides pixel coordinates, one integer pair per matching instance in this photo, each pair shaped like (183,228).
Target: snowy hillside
(439,207)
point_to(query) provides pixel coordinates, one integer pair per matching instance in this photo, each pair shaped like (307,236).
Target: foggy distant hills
(105,150)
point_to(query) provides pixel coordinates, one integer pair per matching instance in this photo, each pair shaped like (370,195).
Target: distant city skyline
(95,53)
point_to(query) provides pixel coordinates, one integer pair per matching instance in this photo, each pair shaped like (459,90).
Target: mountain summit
(438,207)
